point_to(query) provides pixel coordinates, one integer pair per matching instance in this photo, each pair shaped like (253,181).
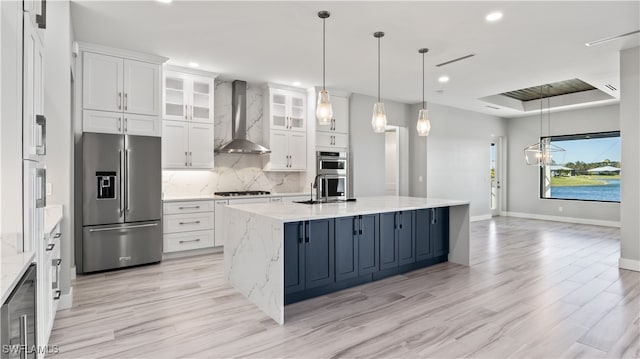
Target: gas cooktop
(242,193)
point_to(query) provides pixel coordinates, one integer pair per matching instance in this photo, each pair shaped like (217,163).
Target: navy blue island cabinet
(432,233)
(357,248)
(309,254)
(397,242)
(325,255)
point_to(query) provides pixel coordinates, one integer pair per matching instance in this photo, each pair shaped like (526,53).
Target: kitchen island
(278,253)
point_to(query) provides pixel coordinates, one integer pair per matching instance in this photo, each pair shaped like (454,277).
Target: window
(590,171)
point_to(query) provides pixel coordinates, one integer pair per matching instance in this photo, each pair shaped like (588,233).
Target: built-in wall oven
(332,167)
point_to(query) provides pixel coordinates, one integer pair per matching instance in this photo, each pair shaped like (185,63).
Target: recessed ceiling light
(165,1)
(296,83)
(494,16)
(193,64)
(443,79)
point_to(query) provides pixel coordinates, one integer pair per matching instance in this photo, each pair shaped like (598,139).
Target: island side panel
(459,237)
(254,258)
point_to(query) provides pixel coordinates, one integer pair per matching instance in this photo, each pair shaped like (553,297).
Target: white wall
(630,138)
(390,162)
(523,193)
(367,149)
(455,164)
(57,107)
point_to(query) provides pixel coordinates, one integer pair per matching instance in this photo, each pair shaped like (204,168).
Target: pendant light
(324,110)
(544,153)
(379,118)
(424,125)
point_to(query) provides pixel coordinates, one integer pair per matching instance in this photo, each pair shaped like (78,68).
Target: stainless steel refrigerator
(121,200)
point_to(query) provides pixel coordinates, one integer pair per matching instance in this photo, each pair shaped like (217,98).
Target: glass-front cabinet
(287,109)
(187,96)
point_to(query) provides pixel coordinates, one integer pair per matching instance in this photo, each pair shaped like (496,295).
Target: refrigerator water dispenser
(106,185)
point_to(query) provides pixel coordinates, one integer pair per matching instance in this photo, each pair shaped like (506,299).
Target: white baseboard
(482,217)
(630,264)
(595,222)
(191,253)
(66,300)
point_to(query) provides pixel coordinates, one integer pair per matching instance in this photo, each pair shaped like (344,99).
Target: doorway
(497,169)
(391,161)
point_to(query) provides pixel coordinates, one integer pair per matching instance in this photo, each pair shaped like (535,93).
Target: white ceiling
(535,43)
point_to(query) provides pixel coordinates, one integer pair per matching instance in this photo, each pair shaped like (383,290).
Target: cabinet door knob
(119,100)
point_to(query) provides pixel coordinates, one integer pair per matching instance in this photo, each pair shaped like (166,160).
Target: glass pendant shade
(424,125)
(379,118)
(324,110)
(544,153)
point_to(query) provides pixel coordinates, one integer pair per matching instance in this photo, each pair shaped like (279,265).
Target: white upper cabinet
(187,145)
(175,144)
(141,92)
(286,135)
(125,86)
(187,96)
(286,109)
(103,82)
(288,151)
(200,145)
(120,85)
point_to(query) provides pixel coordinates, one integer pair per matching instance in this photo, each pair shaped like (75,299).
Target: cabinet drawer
(188,222)
(175,242)
(187,207)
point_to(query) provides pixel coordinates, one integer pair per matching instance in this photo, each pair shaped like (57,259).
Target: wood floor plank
(535,289)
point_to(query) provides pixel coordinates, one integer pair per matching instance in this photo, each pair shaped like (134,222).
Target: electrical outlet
(48,189)
(560,209)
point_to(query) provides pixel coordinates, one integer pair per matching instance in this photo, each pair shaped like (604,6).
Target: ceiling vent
(611,87)
(456,60)
(556,89)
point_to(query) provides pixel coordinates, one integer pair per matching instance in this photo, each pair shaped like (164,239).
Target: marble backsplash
(232,172)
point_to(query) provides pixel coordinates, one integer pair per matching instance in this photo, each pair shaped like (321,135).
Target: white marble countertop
(52,216)
(12,264)
(293,212)
(208,197)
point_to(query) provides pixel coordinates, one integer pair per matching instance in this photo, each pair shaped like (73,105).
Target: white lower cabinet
(188,225)
(174,242)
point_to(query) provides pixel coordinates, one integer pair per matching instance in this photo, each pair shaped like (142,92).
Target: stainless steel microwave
(331,163)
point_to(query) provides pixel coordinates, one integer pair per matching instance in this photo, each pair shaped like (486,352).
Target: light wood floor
(535,289)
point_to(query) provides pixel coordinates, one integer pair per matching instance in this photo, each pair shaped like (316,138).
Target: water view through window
(591,168)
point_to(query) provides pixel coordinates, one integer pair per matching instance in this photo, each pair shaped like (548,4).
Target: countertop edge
(214,197)
(15,272)
(365,211)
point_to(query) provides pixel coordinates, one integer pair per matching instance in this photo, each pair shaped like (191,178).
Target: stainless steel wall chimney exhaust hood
(239,142)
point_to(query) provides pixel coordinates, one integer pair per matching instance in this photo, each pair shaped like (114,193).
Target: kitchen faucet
(319,189)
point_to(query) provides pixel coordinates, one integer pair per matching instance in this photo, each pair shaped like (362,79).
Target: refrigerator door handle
(127,192)
(121,155)
(127,227)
